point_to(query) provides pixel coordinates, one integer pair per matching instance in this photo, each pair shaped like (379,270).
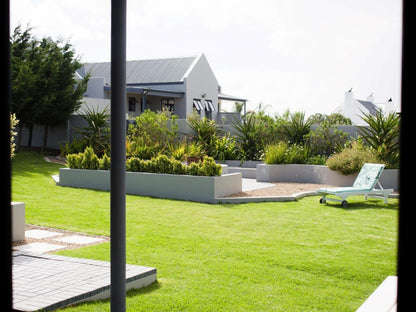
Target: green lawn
(295,256)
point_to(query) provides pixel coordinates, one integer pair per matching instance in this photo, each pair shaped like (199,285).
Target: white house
(179,85)
(355,109)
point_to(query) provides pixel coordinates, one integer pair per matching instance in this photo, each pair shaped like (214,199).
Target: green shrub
(177,151)
(105,162)
(163,164)
(166,165)
(326,140)
(192,169)
(283,153)
(296,127)
(208,167)
(151,134)
(316,160)
(224,148)
(383,136)
(88,160)
(351,159)
(74,160)
(133,164)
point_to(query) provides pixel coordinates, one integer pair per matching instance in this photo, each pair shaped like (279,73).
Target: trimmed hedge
(159,164)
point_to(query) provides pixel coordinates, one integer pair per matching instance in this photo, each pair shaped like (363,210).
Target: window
(208,106)
(168,104)
(132,104)
(198,105)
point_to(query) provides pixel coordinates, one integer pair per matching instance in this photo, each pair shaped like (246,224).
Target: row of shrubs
(285,139)
(160,164)
(348,161)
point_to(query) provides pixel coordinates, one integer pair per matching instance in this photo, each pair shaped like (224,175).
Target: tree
(44,89)
(61,94)
(23,78)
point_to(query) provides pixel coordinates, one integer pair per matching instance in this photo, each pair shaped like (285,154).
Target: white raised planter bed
(318,174)
(18,221)
(184,187)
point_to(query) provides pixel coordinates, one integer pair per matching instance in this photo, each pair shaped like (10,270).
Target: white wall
(352,109)
(95,88)
(199,81)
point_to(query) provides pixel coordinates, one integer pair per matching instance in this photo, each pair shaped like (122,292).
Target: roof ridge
(150,59)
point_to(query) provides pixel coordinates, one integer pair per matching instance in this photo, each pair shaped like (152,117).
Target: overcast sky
(300,55)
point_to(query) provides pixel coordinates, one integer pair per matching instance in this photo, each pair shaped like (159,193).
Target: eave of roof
(227,97)
(150,91)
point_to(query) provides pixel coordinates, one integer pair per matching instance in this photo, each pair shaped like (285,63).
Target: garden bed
(318,174)
(184,187)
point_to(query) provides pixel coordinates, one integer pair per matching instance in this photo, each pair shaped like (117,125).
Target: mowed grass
(294,256)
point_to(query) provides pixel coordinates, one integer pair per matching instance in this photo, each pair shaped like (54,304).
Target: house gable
(201,84)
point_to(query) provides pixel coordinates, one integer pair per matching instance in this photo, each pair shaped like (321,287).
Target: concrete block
(18,221)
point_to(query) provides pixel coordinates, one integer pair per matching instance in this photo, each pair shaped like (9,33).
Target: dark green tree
(44,88)
(58,90)
(23,79)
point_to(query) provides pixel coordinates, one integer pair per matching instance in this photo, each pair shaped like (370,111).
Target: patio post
(118,155)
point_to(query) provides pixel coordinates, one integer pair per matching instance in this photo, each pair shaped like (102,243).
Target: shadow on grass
(104,302)
(145,290)
(30,163)
(357,204)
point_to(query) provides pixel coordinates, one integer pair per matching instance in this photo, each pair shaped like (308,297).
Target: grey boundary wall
(318,174)
(183,187)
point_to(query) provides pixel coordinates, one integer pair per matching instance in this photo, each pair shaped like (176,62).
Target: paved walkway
(43,281)
(252,184)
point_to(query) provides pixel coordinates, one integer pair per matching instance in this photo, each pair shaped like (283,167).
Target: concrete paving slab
(40,234)
(78,239)
(252,184)
(39,247)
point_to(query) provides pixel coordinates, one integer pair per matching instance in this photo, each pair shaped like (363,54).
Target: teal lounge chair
(363,185)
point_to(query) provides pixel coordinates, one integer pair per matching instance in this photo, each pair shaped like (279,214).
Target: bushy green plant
(151,134)
(177,151)
(138,147)
(13,124)
(205,132)
(192,169)
(166,165)
(74,160)
(248,137)
(296,128)
(194,149)
(88,160)
(105,162)
(382,135)
(284,153)
(224,148)
(326,140)
(316,160)
(97,133)
(351,159)
(208,167)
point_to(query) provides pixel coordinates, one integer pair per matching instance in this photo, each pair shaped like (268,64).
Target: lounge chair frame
(368,191)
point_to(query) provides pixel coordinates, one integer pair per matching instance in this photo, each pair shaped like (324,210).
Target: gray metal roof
(144,71)
(371,107)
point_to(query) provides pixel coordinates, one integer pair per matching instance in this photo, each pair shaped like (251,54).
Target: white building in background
(179,85)
(355,109)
